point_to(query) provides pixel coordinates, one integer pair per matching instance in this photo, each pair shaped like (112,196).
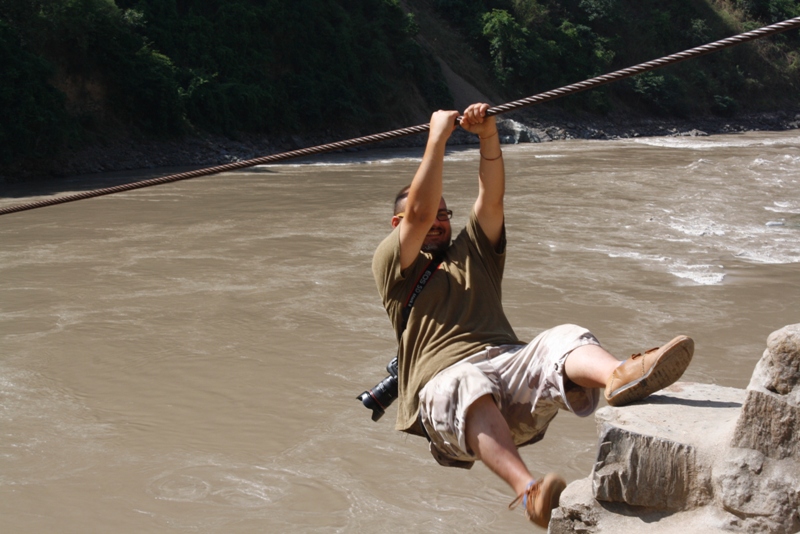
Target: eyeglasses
(442,215)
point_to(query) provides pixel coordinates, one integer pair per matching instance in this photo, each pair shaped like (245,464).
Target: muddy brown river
(185,358)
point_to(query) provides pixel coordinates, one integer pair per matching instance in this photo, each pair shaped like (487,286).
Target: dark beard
(436,249)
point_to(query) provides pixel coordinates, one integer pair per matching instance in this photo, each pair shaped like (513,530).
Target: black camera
(383,394)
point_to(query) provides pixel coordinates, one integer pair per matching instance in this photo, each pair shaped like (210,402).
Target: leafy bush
(113,74)
(540,56)
(154,67)
(34,120)
(724,105)
(770,11)
(535,45)
(275,66)
(508,46)
(661,93)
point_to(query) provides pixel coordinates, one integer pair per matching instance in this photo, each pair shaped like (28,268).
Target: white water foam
(695,143)
(784,207)
(699,227)
(704,275)
(700,274)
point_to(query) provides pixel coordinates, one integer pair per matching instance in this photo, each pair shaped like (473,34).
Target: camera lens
(380,397)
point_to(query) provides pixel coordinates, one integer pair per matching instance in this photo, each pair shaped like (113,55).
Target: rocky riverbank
(522,126)
(698,457)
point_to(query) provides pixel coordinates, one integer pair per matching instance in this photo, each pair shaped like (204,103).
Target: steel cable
(504,108)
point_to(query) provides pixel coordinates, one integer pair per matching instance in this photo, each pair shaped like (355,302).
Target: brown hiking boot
(644,374)
(540,497)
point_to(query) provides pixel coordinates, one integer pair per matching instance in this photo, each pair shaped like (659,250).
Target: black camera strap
(382,395)
(412,297)
(418,287)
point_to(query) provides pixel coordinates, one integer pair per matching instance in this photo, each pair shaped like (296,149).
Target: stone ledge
(580,513)
(698,458)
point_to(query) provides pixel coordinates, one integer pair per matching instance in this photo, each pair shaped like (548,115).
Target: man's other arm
(425,193)
(491,174)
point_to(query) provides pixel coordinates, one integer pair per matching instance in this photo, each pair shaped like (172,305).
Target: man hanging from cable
(466,382)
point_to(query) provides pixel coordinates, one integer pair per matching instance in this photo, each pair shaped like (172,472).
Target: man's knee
(483,417)
(481,409)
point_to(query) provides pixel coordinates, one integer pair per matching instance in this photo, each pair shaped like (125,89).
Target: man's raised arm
(425,193)
(491,176)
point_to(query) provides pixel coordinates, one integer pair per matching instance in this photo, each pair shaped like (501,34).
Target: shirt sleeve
(386,264)
(493,257)
(392,281)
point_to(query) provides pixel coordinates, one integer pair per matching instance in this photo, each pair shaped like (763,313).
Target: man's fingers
(474,114)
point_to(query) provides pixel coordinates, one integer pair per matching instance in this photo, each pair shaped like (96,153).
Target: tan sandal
(540,497)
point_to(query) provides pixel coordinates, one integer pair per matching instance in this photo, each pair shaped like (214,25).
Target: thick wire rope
(504,108)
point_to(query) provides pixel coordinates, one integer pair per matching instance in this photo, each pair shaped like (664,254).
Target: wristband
(492,159)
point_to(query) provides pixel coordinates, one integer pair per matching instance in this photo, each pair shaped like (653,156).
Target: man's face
(438,238)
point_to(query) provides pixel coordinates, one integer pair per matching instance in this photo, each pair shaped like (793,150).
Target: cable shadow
(695,403)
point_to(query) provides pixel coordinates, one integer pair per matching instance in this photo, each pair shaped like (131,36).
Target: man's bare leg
(489,438)
(487,432)
(590,366)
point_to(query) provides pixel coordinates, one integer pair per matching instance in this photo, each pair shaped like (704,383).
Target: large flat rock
(667,465)
(661,450)
(580,513)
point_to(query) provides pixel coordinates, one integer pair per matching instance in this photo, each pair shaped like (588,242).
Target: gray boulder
(770,420)
(698,458)
(513,132)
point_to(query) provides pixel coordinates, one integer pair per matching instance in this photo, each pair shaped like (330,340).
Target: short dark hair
(400,198)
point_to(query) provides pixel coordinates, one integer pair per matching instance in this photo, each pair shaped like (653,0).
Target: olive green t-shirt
(458,313)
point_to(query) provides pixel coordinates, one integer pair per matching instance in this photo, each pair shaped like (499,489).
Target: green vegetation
(74,71)
(536,45)
(34,115)
(78,70)
(273,66)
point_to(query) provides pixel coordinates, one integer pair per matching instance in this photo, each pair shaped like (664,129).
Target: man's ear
(395,221)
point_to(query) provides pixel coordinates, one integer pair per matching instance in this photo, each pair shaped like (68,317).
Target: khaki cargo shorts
(526,382)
